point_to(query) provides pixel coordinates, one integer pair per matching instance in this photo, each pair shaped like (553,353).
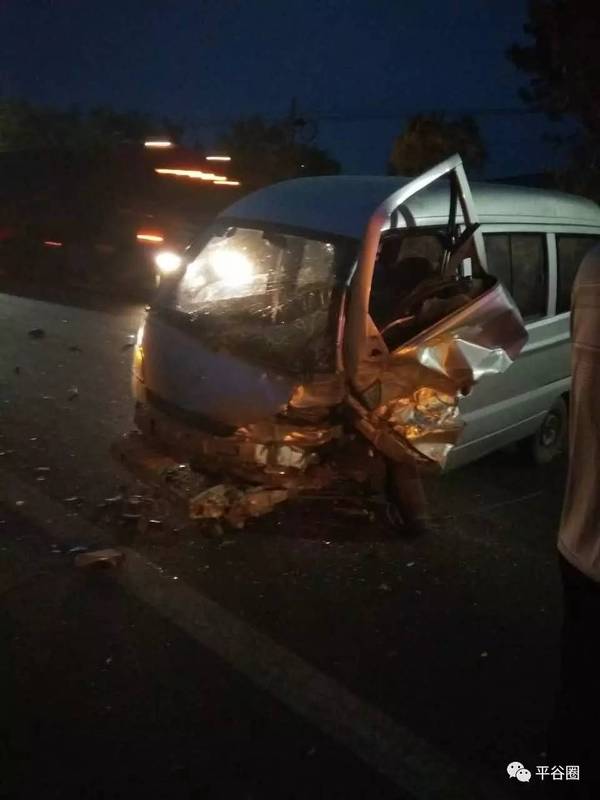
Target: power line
(376,115)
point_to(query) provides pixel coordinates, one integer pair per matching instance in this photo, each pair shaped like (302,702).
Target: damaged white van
(321,307)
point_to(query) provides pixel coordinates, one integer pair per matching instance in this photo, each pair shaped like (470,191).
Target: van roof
(342,204)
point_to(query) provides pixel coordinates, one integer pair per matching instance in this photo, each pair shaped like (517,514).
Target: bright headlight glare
(167,262)
(232,267)
(139,339)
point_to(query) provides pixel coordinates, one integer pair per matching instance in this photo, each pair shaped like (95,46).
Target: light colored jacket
(579,536)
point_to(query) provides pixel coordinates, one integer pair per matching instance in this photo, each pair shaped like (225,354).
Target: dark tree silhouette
(430,138)
(267,152)
(562,59)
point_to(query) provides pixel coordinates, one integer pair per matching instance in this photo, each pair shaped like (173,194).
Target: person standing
(574,733)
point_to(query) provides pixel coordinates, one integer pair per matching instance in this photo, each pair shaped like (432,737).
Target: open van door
(424,320)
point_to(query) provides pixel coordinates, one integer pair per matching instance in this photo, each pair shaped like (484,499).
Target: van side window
(528,266)
(518,260)
(403,262)
(570,253)
(497,247)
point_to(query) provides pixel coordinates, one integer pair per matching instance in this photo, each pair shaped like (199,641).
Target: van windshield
(267,293)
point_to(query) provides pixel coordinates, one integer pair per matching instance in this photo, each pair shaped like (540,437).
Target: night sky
(208,61)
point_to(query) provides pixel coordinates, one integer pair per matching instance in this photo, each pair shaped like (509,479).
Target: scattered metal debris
(106,557)
(234,504)
(111,501)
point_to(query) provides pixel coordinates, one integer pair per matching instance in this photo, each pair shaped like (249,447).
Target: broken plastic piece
(213,502)
(108,557)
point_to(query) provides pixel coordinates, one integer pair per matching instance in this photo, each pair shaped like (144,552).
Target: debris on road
(128,516)
(234,504)
(73,500)
(37,333)
(42,469)
(108,557)
(73,393)
(75,348)
(78,548)
(213,502)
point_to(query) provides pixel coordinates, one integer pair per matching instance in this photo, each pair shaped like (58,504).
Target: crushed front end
(263,364)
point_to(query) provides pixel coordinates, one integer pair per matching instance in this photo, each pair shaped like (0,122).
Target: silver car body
(504,401)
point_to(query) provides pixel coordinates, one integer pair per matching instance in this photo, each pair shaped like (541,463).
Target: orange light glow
(50,243)
(191,173)
(226,183)
(218,158)
(152,238)
(158,143)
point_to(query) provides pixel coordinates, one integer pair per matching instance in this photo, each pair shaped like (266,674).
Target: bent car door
(424,320)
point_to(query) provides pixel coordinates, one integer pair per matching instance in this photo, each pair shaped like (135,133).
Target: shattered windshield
(268,293)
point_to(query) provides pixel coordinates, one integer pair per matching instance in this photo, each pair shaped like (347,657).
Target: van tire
(550,439)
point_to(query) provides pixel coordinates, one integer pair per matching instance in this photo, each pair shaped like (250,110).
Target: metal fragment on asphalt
(106,557)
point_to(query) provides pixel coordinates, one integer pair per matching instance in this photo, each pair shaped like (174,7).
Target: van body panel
(180,370)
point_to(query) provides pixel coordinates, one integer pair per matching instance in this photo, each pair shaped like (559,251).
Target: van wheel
(550,439)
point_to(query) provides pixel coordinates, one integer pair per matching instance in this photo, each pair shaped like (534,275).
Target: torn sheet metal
(234,504)
(271,462)
(418,387)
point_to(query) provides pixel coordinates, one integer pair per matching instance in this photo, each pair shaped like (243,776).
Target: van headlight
(167,262)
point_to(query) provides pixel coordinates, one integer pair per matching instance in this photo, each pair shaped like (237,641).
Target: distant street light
(158,143)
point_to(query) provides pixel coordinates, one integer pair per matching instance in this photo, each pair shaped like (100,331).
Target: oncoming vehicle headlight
(232,268)
(167,262)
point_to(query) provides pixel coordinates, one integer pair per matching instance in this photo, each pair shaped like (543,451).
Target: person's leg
(572,741)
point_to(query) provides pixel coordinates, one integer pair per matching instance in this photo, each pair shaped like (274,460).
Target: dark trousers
(574,735)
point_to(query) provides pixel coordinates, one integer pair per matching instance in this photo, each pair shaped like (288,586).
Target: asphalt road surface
(313,654)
